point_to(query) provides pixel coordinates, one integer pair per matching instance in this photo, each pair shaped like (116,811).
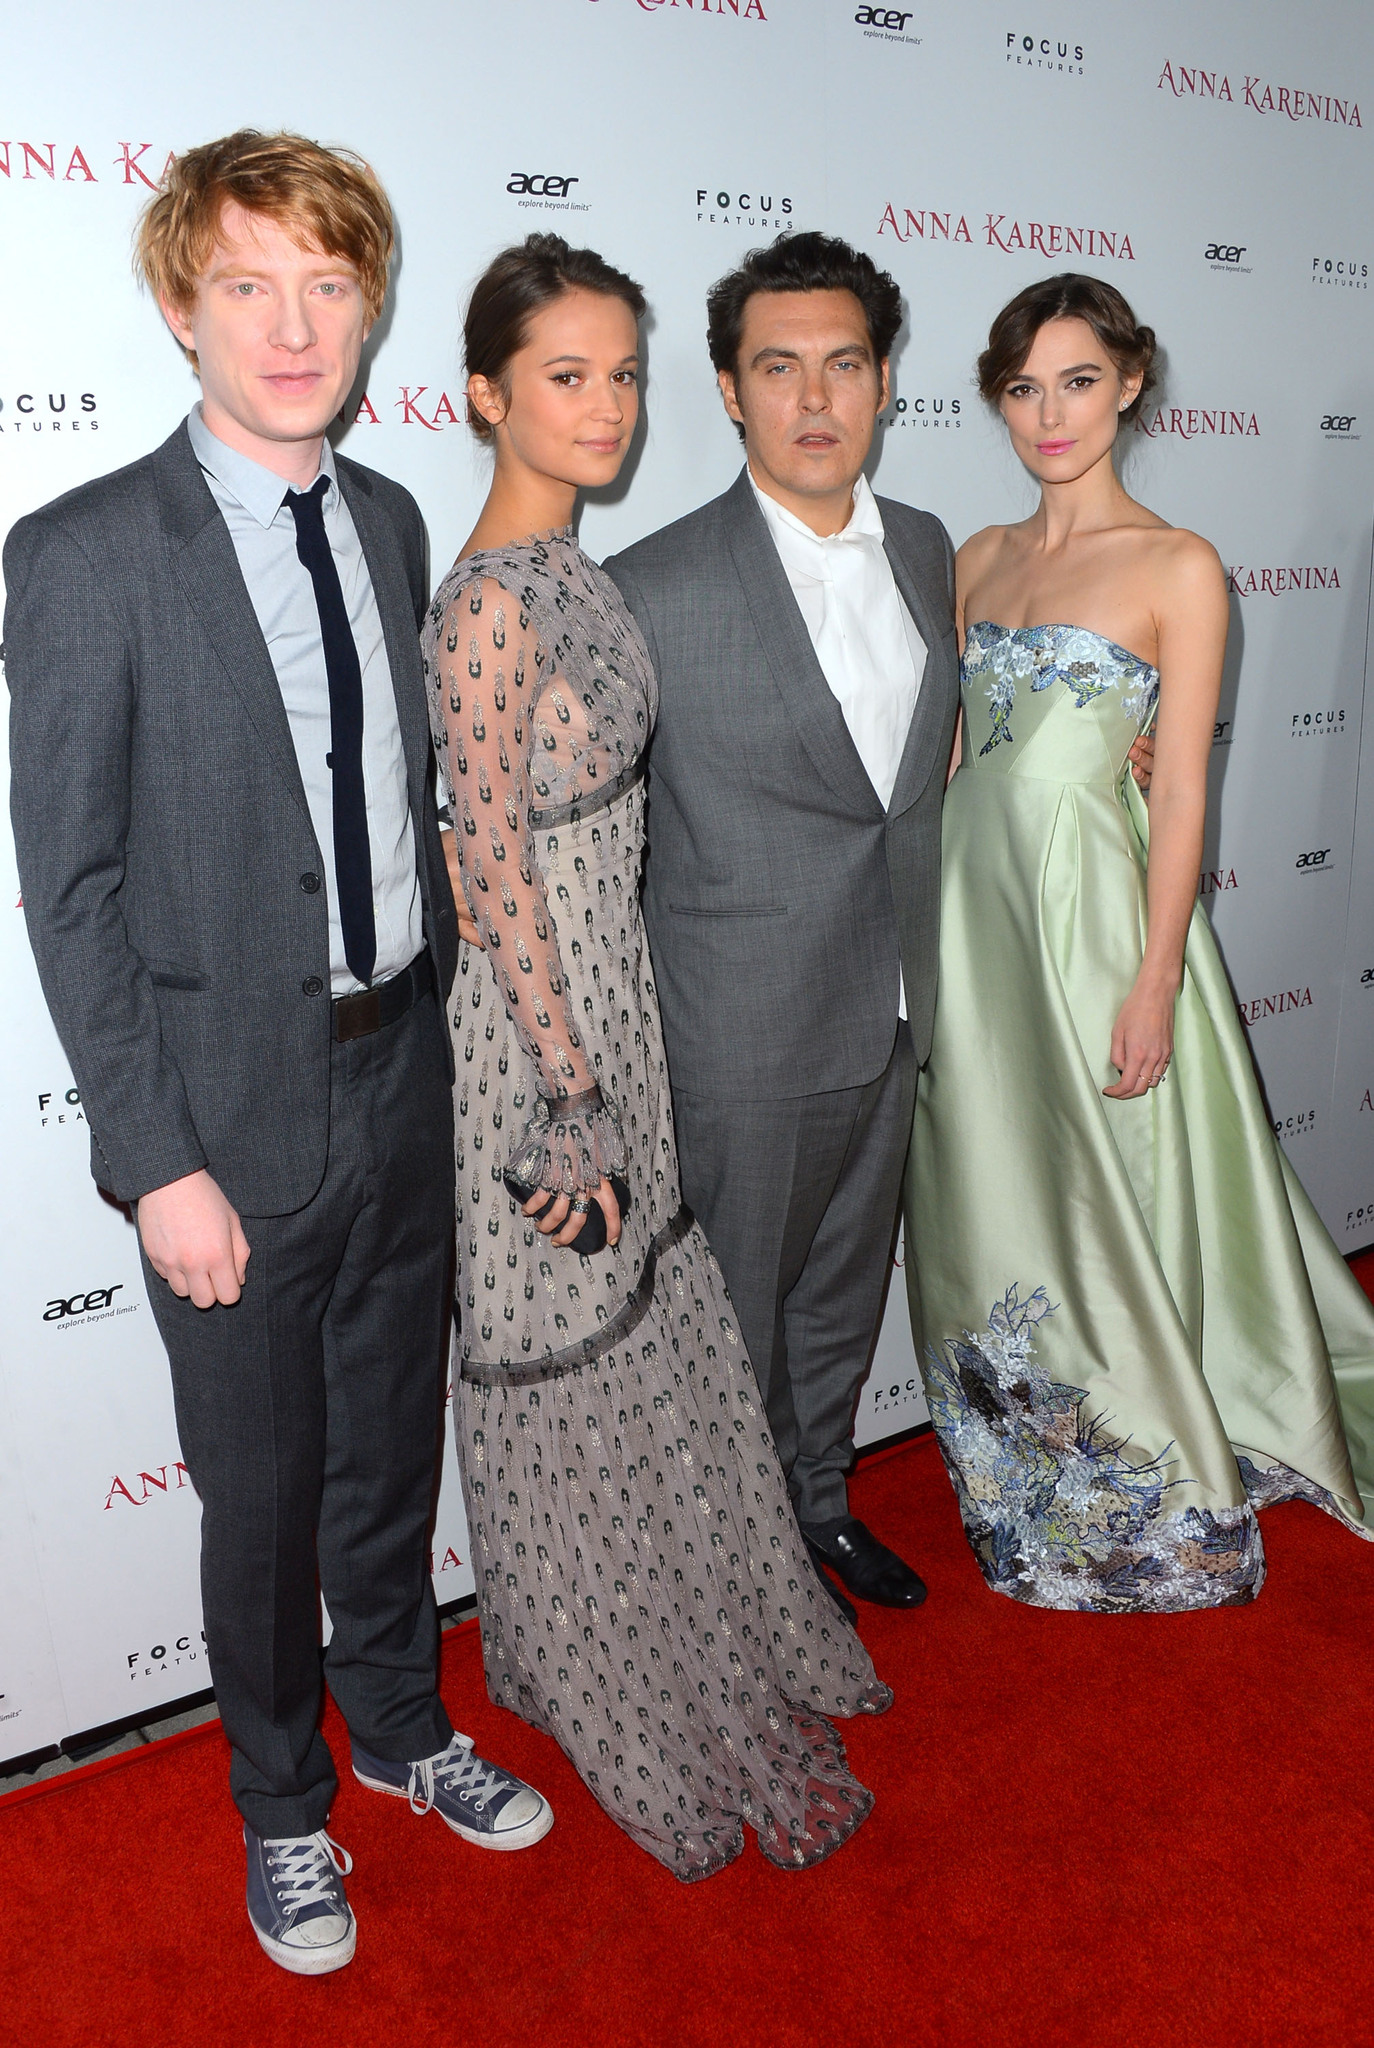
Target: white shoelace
(457,1770)
(301,1869)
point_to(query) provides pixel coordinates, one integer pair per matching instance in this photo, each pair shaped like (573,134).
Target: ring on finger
(580,1204)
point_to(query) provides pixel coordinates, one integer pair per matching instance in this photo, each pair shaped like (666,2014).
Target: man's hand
(194,1240)
(1142,760)
(466,928)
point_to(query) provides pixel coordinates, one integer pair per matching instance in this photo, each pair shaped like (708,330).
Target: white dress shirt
(263,531)
(866,641)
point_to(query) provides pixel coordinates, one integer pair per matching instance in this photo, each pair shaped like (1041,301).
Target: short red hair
(325,197)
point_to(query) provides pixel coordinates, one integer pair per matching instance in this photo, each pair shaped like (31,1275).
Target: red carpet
(1088,1831)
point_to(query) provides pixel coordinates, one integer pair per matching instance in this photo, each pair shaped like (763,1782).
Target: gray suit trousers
(799,1200)
(309,1415)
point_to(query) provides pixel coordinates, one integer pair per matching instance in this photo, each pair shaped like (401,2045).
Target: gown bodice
(1057,703)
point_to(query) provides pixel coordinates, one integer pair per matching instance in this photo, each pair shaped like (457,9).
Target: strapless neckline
(1063,626)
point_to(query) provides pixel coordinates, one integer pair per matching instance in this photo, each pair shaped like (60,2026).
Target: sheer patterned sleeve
(490,661)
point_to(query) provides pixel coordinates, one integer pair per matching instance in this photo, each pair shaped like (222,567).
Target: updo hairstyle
(1069,296)
(515,286)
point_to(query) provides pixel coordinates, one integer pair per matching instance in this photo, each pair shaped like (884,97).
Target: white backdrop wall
(1210,157)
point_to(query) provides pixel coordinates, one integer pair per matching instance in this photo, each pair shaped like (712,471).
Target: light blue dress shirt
(263,531)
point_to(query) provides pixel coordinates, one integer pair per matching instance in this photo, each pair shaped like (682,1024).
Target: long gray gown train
(644,1593)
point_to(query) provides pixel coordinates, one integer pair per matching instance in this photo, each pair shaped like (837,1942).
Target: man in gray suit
(244,928)
(803,635)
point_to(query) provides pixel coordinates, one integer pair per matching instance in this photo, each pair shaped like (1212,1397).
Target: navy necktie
(352,853)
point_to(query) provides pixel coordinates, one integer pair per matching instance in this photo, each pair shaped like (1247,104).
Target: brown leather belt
(372,1009)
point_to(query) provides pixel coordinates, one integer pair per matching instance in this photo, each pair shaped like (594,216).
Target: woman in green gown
(1134,1329)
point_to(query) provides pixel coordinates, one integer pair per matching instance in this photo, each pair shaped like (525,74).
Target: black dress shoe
(846,1607)
(868,1568)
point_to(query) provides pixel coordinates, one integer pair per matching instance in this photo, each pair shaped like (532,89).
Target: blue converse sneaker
(296,1901)
(480,1803)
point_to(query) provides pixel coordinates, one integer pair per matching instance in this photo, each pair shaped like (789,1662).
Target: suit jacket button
(312,985)
(310,884)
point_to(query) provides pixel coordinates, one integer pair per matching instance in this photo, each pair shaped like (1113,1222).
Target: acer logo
(1224,252)
(81,1304)
(1221,733)
(1338,422)
(541,184)
(881,17)
(1367,978)
(1309,861)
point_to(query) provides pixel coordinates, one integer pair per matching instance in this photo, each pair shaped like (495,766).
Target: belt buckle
(360,1014)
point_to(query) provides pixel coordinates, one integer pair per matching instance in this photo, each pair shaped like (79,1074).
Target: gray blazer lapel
(396,608)
(214,585)
(792,662)
(930,610)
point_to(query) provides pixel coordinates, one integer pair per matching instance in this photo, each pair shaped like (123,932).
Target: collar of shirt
(813,554)
(260,491)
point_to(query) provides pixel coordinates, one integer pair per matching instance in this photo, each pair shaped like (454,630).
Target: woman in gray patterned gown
(645,1595)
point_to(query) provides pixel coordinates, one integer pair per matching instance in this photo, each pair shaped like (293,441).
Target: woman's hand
(568,1221)
(1142,1041)
(466,928)
(1142,760)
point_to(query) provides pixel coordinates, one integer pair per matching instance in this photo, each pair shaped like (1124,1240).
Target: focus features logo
(1317,725)
(1298,1126)
(49,412)
(1225,256)
(1363,1218)
(1340,273)
(1044,53)
(89,1305)
(1315,863)
(942,414)
(1280,1004)
(1279,582)
(69,1110)
(178,1651)
(998,231)
(752,208)
(1190,81)
(546,191)
(886,24)
(1336,426)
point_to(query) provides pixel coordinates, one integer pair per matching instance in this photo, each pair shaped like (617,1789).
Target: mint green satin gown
(1134,1329)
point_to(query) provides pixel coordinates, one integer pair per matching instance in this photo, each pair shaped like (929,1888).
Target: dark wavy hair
(515,286)
(1069,296)
(801,263)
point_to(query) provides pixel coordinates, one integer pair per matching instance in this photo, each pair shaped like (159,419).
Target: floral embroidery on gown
(645,1596)
(1134,1329)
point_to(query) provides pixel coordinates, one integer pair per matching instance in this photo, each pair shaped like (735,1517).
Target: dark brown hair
(515,286)
(1069,296)
(801,263)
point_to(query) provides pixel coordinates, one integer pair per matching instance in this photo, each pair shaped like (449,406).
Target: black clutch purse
(592,1236)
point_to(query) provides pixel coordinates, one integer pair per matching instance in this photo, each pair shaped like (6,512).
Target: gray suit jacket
(780,898)
(166,854)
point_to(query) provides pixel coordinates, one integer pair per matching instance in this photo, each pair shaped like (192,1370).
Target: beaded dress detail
(645,1596)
